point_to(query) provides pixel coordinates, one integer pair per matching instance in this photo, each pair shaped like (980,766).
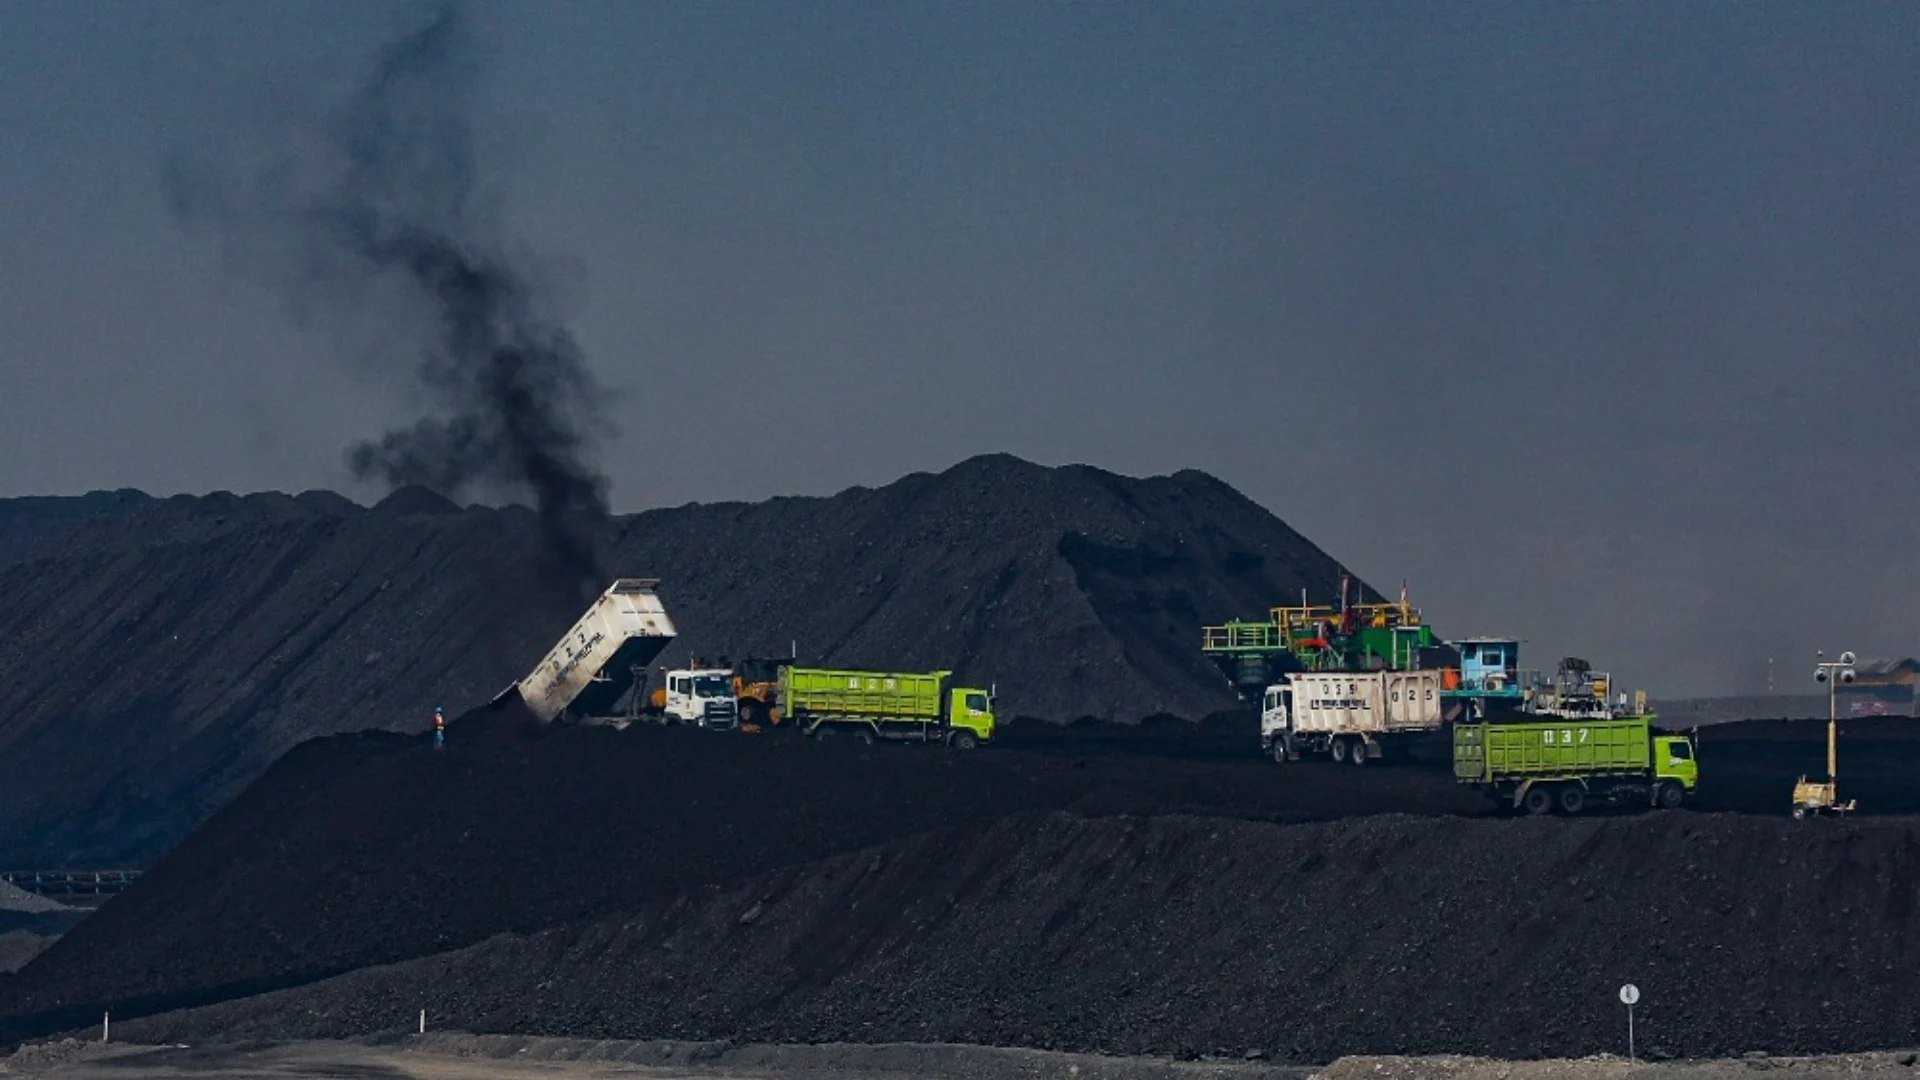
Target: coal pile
(366,849)
(157,654)
(1186,936)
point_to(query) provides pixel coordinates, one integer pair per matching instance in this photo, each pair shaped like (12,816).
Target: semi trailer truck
(891,705)
(1352,717)
(1564,764)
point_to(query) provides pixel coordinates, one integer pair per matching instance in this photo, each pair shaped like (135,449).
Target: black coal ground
(1133,890)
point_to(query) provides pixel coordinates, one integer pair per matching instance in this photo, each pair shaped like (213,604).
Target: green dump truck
(900,706)
(1559,763)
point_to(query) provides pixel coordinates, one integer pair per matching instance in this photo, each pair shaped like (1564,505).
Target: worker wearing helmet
(439,727)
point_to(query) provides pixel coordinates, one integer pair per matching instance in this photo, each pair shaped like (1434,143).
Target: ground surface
(1157,890)
(465,1057)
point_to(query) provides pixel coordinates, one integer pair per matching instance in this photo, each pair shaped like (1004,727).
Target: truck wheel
(1338,751)
(1357,753)
(1280,751)
(1538,800)
(1799,813)
(1572,799)
(749,711)
(963,740)
(1668,796)
(863,736)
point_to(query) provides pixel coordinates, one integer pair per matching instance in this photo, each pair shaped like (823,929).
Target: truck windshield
(1681,750)
(977,702)
(711,686)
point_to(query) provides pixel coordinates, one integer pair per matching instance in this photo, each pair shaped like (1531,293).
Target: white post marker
(1629,994)
(423,1021)
(106,1025)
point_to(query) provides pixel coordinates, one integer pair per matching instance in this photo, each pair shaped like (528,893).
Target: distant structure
(1880,688)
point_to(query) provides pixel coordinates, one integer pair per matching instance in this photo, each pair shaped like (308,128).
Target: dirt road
(450,1056)
(490,1057)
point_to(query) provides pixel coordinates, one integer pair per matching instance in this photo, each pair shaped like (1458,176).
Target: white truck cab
(702,697)
(1275,705)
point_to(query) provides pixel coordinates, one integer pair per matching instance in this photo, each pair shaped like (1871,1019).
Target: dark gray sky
(1597,322)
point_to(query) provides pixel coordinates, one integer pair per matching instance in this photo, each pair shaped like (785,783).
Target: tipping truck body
(1564,763)
(899,706)
(1352,717)
(602,658)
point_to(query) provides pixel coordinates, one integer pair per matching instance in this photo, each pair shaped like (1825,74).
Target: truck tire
(749,710)
(1799,813)
(863,736)
(1538,800)
(1357,752)
(1280,751)
(1338,751)
(1668,795)
(963,740)
(1572,799)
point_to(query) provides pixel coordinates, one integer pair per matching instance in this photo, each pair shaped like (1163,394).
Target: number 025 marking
(1565,736)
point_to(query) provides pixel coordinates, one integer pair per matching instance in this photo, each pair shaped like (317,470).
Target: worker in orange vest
(439,727)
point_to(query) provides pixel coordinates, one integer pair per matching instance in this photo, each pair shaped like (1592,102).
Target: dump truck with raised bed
(892,705)
(1352,717)
(602,659)
(1559,763)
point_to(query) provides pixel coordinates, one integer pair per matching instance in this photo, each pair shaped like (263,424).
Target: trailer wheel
(963,740)
(1573,799)
(1668,795)
(1538,800)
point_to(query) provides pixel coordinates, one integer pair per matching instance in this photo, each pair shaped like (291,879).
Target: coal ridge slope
(358,850)
(1183,936)
(159,656)
(366,849)
(160,662)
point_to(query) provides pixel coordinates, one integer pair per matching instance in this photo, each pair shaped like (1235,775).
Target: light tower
(1816,798)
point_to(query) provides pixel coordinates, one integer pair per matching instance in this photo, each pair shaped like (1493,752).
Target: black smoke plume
(376,210)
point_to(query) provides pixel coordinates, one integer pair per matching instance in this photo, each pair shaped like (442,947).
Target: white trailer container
(1350,716)
(603,657)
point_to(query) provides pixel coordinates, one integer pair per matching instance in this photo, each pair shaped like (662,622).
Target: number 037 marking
(1565,736)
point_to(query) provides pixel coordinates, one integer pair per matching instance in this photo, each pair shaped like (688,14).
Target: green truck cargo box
(1488,752)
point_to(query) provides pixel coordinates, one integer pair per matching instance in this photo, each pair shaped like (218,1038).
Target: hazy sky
(1596,322)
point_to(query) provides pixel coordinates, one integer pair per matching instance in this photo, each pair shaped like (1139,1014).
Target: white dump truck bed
(594,663)
(1366,703)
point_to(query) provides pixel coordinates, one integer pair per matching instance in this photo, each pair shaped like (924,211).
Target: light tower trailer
(1351,717)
